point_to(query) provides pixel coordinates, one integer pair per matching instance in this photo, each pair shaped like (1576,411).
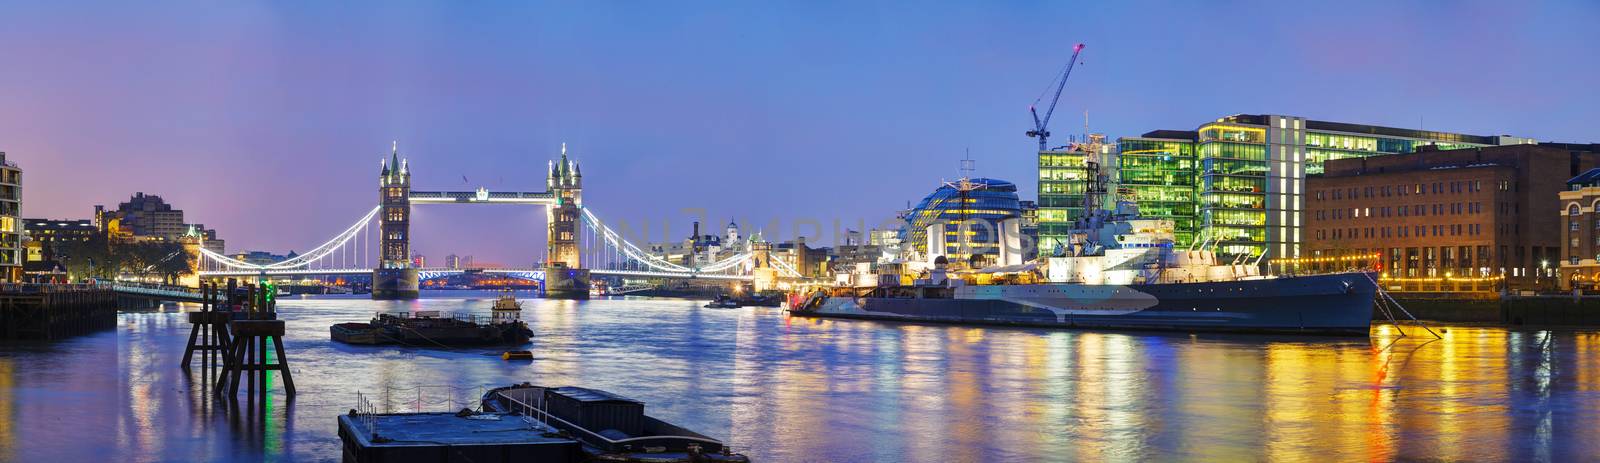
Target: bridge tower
(565,276)
(766,276)
(395,278)
(565,182)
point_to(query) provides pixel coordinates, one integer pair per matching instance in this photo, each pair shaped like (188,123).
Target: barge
(611,428)
(430,329)
(526,423)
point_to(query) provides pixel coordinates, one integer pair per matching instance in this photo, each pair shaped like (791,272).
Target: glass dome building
(985,210)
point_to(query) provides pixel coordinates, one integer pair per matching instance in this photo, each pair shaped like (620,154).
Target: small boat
(611,428)
(723,302)
(517,355)
(507,301)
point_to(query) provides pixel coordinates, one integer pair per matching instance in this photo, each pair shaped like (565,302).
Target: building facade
(1064,182)
(46,236)
(262,257)
(11,226)
(1467,213)
(1157,171)
(1579,209)
(1238,183)
(148,217)
(976,222)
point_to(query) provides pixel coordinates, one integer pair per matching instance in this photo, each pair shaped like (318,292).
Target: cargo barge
(431,329)
(526,423)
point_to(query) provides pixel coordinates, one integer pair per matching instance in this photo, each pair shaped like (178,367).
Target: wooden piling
(208,331)
(248,354)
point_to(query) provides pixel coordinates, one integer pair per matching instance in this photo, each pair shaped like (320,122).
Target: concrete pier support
(566,283)
(395,284)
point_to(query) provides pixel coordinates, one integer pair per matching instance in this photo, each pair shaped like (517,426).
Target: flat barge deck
(447,437)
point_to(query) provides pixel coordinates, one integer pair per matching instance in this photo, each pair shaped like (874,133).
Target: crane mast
(1039,125)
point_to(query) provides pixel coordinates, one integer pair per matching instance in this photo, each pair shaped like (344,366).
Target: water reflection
(797,389)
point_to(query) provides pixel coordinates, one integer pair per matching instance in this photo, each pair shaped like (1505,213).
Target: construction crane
(1039,125)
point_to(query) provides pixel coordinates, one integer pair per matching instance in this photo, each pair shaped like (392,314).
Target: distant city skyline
(267,121)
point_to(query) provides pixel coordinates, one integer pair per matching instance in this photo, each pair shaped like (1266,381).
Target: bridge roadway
(542,198)
(162,292)
(429,273)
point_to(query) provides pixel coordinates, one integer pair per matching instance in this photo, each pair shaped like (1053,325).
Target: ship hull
(1339,304)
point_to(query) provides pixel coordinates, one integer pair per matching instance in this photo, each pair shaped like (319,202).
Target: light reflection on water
(797,389)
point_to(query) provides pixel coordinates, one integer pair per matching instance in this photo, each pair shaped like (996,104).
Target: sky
(267,120)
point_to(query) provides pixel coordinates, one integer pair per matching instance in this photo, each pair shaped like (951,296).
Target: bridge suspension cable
(786,269)
(628,248)
(337,243)
(634,252)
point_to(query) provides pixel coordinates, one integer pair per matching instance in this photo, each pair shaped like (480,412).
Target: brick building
(1466,213)
(1579,212)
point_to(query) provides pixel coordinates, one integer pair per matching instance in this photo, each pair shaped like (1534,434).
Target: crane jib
(1039,125)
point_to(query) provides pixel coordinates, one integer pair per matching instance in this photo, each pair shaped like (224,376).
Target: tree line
(101,257)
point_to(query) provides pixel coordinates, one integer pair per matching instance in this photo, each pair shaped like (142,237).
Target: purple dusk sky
(266,120)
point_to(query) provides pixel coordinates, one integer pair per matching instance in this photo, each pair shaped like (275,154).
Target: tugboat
(429,329)
(507,303)
(611,428)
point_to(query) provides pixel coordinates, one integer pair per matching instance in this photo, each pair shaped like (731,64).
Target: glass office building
(1158,173)
(1237,182)
(1063,181)
(981,211)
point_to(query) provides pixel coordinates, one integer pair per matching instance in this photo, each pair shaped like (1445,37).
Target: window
(1573,210)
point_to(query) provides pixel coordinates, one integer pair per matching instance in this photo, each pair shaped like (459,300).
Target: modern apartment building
(1238,182)
(11,251)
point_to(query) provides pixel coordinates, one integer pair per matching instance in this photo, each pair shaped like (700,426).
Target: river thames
(798,389)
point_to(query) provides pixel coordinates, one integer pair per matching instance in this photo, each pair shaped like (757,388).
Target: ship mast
(964,188)
(1094,188)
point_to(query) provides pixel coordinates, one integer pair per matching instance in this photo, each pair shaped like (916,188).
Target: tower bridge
(578,244)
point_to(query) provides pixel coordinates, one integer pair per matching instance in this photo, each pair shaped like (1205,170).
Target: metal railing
(366,414)
(539,414)
(35,288)
(415,399)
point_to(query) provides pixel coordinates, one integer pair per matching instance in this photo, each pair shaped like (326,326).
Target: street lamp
(1544,270)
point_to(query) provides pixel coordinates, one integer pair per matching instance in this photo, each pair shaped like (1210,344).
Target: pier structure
(247,356)
(208,331)
(47,312)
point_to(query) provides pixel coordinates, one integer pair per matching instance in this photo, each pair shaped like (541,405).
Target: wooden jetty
(48,312)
